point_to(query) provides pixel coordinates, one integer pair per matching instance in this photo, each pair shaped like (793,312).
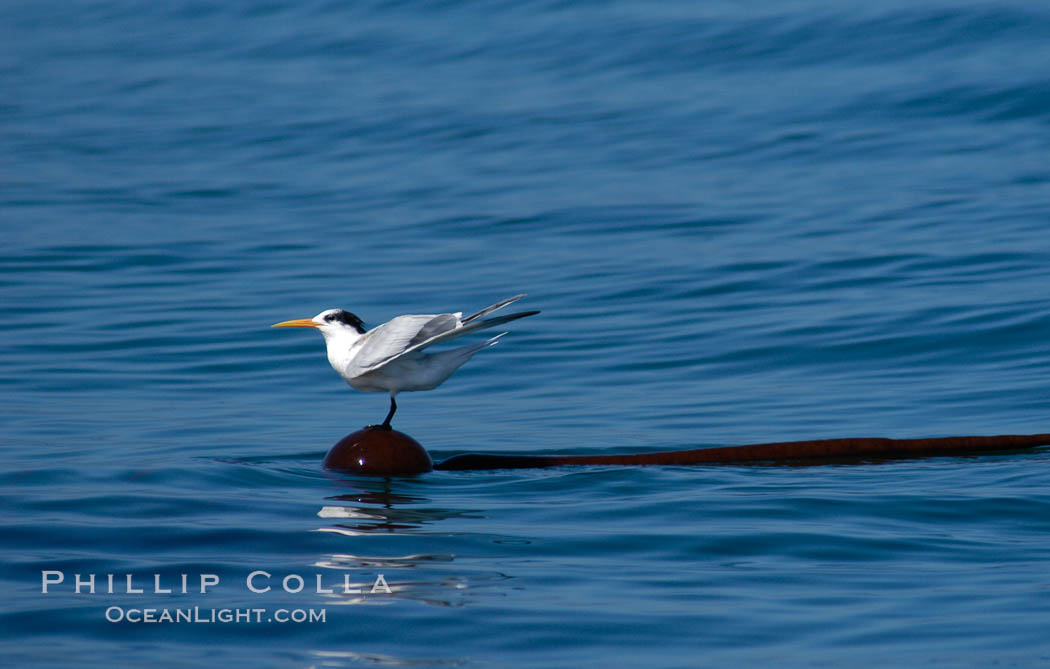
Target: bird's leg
(389,416)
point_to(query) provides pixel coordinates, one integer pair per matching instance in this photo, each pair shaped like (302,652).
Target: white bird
(391,357)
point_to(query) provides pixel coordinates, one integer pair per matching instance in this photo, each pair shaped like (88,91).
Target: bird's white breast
(341,351)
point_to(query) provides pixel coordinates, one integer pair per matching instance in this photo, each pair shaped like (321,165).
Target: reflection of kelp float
(374,451)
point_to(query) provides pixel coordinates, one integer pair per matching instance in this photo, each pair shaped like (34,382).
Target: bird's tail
(493,341)
(466,352)
(443,365)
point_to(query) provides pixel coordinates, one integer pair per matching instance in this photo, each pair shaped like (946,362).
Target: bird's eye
(329,318)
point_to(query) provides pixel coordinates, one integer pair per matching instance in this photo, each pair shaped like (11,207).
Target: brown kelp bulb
(377,451)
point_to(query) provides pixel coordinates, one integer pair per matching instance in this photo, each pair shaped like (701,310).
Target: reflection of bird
(391,357)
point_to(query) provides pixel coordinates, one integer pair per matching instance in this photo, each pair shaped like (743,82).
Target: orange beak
(297,323)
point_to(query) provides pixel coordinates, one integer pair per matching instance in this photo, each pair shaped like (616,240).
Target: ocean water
(743,222)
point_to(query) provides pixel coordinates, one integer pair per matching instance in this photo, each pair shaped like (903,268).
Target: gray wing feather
(488,310)
(395,336)
(467,328)
(435,326)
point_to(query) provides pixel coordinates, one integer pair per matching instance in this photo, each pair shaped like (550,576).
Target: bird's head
(331,322)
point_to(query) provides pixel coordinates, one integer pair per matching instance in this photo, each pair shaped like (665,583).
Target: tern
(392,357)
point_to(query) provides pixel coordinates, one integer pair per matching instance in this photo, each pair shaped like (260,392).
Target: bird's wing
(395,336)
(435,326)
(488,310)
(467,328)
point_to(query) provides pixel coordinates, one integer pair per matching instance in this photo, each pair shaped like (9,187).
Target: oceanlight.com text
(197,614)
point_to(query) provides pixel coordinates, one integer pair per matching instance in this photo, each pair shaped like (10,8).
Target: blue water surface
(743,222)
